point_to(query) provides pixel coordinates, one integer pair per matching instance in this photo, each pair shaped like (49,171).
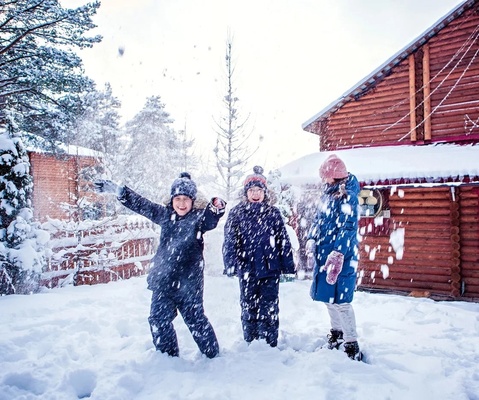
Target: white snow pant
(343,319)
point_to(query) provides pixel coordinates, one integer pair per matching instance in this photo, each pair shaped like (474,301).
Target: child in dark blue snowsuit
(176,275)
(257,249)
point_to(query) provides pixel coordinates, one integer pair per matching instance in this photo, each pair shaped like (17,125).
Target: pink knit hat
(256,179)
(333,167)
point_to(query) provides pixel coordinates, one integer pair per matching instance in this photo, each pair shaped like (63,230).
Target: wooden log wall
(454,68)
(431,258)
(469,241)
(431,96)
(377,118)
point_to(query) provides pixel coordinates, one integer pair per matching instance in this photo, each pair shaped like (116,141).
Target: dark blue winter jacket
(256,242)
(178,261)
(336,228)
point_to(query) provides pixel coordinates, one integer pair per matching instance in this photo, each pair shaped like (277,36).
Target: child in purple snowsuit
(257,249)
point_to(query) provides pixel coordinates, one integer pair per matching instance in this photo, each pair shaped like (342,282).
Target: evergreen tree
(153,154)
(98,126)
(188,161)
(98,129)
(282,194)
(41,77)
(284,198)
(232,151)
(41,83)
(22,252)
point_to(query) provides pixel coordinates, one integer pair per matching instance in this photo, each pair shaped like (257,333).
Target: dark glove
(106,186)
(333,266)
(217,205)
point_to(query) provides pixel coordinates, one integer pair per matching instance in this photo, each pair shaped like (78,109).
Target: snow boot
(335,339)
(352,350)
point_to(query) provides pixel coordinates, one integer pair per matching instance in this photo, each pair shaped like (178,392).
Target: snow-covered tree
(22,251)
(41,86)
(282,193)
(232,144)
(98,128)
(283,196)
(98,125)
(188,161)
(41,77)
(153,156)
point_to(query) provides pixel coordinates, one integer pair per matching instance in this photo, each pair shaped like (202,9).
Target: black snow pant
(164,309)
(259,299)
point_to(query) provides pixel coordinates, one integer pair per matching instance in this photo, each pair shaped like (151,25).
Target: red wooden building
(60,183)
(414,189)
(86,247)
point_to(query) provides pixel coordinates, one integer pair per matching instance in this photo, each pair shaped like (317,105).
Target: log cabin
(410,132)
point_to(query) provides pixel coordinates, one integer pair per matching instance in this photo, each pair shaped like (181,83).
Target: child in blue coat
(257,249)
(333,243)
(176,274)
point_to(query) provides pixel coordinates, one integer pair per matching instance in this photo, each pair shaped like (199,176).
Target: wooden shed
(425,95)
(60,184)
(86,248)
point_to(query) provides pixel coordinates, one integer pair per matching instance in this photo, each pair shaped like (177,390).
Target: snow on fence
(92,252)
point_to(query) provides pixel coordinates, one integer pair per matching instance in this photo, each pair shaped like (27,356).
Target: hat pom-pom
(258,170)
(185,175)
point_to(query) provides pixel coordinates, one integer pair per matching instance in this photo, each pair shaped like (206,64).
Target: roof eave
(452,181)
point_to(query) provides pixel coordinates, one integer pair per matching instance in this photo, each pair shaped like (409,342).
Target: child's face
(255,194)
(329,181)
(182,204)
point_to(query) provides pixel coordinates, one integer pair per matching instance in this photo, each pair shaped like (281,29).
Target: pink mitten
(310,250)
(333,266)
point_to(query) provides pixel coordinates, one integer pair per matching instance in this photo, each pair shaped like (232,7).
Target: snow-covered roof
(69,149)
(384,69)
(429,163)
(73,150)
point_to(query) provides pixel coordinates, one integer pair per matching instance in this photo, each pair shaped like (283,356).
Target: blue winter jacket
(336,228)
(256,242)
(178,261)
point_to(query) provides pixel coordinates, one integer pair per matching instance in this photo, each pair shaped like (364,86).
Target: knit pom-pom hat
(256,179)
(333,168)
(183,186)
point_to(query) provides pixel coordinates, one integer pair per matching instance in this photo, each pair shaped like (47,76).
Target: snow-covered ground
(94,342)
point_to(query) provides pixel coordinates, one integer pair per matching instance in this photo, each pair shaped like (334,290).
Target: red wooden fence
(100,254)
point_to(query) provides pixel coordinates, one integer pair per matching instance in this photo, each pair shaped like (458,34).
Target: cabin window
(374,212)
